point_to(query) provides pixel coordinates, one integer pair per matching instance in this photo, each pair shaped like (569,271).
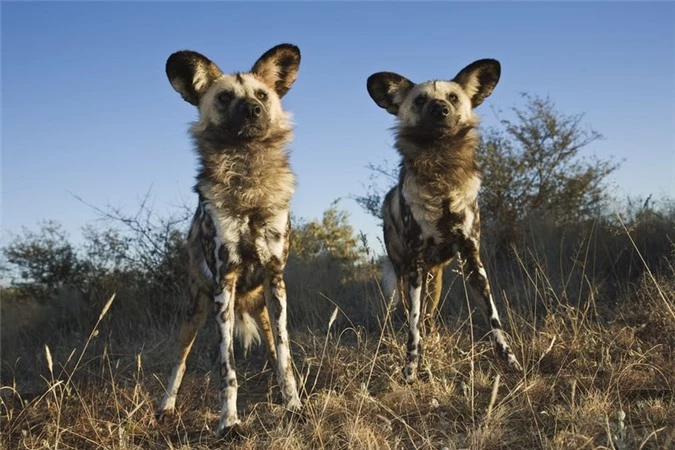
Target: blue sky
(87,108)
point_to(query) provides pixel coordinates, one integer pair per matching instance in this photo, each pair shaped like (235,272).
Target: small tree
(332,237)
(328,267)
(40,263)
(142,242)
(532,167)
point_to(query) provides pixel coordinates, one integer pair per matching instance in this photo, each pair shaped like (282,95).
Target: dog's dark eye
(453,98)
(225,97)
(420,100)
(262,95)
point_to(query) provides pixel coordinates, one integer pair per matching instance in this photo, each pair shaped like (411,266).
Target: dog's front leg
(275,298)
(414,348)
(475,274)
(224,309)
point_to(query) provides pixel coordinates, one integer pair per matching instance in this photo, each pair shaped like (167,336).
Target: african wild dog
(239,238)
(432,213)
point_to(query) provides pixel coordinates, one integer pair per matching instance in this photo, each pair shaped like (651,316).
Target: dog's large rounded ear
(191,74)
(479,79)
(278,67)
(388,90)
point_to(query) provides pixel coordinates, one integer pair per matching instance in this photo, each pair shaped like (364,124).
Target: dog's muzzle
(250,119)
(439,109)
(250,109)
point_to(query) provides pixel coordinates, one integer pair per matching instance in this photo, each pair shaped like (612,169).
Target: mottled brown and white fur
(432,213)
(239,238)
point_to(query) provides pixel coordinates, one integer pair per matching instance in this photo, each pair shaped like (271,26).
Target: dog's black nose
(439,109)
(251,109)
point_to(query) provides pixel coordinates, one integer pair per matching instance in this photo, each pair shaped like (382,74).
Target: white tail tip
(390,282)
(246,330)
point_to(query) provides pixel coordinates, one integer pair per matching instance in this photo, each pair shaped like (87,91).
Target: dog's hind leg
(188,333)
(432,296)
(262,318)
(475,274)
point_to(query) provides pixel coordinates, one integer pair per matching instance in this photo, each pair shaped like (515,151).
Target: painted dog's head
(436,108)
(240,106)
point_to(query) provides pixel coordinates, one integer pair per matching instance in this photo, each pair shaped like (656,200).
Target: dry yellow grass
(598,374)
(587,384)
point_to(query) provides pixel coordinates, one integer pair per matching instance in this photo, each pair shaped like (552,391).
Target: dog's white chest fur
(424,207)
(427,208)
(267,239)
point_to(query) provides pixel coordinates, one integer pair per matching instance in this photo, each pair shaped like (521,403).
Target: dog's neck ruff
(254,176)
(444,167)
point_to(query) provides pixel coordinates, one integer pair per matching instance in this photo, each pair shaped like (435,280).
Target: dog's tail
(246,330)
(390,282)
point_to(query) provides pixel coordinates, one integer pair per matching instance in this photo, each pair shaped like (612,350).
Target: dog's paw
(295,415)
(409,374)
(513,364)
(293,410)
(294,404)
(165,415)
(232,432)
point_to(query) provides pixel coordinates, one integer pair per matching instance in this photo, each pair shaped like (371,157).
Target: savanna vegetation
(585,284)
